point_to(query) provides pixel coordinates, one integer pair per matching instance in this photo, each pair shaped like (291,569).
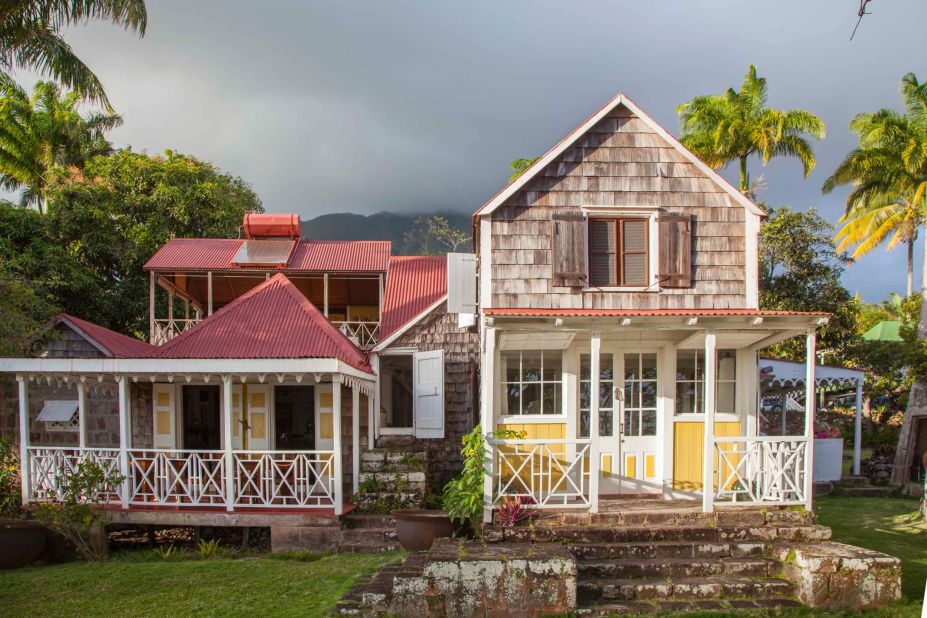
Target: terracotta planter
(417,529)
(21,543)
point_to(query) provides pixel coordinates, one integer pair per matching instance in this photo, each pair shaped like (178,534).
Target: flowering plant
(513,510)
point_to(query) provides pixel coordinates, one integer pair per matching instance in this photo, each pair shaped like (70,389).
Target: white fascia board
(151,366)
(402,329)
(569,140)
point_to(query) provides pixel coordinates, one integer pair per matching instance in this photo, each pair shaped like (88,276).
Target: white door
(257,403)
(237,425)
(164,402)
(428,393)
(637,404)
(324,418)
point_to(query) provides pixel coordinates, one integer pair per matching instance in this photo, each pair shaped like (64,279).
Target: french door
(628,411)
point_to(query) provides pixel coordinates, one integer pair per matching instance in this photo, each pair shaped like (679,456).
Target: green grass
(142,584)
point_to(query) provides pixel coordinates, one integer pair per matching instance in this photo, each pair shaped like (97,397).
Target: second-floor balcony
(363,333)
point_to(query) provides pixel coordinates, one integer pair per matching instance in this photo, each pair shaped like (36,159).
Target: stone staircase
(392,478)
(861,486)
(368,533)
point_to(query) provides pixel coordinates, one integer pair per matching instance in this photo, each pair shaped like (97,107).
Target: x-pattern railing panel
(177,477)
(366,333)
(167,329)
(50,467)
(767,470)
(284,478)
(551,473)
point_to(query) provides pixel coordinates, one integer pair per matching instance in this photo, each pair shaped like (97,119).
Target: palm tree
(888,173)
(30,38)
(720,128)
(43,132)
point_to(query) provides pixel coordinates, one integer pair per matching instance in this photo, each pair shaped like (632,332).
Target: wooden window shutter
(675,251)
(568,249)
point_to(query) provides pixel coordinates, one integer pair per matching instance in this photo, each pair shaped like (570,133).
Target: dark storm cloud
(416,106)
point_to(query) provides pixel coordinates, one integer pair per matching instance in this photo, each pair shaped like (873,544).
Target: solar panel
(264,253)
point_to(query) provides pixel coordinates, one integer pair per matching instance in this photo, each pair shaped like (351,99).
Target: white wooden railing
(159,476)
(167,329)
(50,467)
(768,470)
(552,473)
(366,334)
(163,477)
(284,478)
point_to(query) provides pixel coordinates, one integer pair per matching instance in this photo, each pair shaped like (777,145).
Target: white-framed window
(621,248)
(532,382)
(606,394)
(690,382)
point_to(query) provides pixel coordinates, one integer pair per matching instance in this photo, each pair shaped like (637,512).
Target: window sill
(527,419)
(621,289)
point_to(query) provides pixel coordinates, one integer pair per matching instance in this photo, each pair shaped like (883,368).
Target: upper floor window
(533,381)
(618,252)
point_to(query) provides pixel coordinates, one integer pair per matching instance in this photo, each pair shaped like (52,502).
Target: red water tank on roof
(271,226)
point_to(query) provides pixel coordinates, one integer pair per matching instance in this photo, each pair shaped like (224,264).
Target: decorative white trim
(569,140)
(405,327)
(752,260)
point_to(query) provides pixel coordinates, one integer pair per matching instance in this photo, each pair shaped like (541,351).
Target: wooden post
(336,416)
(227,420)
(594,457)
(125,441)
(858,433)
(325,294)
(82,415)
(355,437)
(487,402)
(151,307)
(370,421)
(25,467)
(209,293)
(810,344)
(708,459)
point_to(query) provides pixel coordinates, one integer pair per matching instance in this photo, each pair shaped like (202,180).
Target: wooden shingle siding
(619,162)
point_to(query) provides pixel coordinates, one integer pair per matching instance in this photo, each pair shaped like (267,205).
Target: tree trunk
(744,176)
(917,400)
(911,268)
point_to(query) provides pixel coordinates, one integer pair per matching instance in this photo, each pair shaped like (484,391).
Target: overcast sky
(419,106)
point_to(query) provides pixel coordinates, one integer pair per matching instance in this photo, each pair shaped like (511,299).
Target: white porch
(239,469)
(666,423)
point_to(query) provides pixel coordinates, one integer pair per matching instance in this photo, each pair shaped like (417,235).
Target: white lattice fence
(284,478)
(51,467)
(176,477)
(552,473)
(762,470)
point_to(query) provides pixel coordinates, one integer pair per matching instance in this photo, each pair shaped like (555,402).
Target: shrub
(10,492)
(78,510)
(513,510)
(207,549)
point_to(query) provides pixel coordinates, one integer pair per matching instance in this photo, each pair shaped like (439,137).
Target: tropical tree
(888,173)
(733,126)
(30,38)
(45,131)
(520,166)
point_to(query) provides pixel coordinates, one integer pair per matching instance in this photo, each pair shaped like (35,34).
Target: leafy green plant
(77,510)
(166,552)
(368,485)
(10,493)
(463,496)
(207,549)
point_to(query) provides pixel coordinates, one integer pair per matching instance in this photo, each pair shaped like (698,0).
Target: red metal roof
(274,320)
(113,343)
(180,254)
(412,285)
(595,313)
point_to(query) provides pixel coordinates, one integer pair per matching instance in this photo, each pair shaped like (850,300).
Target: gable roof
(274,320)
(414,286)
(109,342)
(619,99)
(308,255)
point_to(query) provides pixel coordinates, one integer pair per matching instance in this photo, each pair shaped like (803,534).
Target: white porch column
(125,441)
(81,414)
(487,395)
(594,457)
(355,437)
(209,293)
(858,433)
(708,458)
(25,467)
(370,419)
(151,307)
(810,345)
(336,429)
(227,443)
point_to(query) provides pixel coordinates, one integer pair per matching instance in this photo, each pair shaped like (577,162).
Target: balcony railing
(364,334)
(165,330)
(768,470)
(162,477)
(552,473)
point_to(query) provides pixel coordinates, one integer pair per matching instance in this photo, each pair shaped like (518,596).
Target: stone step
(873,491)
(364,534)
(368,520)
(656,607)
(668,549)
(383,502)
(853,481)
(731,516)
(675,567)
(609,534)
(687,588)
(369,547)
(393,481)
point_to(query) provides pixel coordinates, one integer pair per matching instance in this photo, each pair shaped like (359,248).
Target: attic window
(618,252)
(264,253)
(59,415)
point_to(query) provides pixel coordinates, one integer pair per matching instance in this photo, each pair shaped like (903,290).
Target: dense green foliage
(30,38)
(10,494)
(520,166)
(733,126)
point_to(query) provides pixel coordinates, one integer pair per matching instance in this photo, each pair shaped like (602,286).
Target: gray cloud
(416,106)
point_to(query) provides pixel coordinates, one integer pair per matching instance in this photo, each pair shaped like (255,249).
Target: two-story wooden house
(613,322)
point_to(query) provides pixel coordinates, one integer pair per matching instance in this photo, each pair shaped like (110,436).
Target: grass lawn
(142,584)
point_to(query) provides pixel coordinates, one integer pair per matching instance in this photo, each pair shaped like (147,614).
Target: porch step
(872,491)
(368,540)
(589,592)
(668,549)
(852,480)
(368,520)
(675,567)
(408,482)
(609,607)
(384,502)
(658,533)
(392,460)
